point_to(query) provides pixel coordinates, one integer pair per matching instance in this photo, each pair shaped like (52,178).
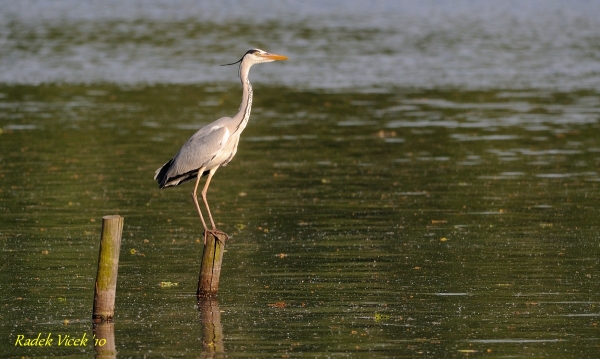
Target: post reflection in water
(104,340)
(212,331)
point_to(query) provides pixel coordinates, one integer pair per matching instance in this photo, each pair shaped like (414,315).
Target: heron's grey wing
(199,150)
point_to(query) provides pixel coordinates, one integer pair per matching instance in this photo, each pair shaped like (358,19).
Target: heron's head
(258,56)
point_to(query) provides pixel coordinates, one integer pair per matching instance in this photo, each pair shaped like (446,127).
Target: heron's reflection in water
(212,331)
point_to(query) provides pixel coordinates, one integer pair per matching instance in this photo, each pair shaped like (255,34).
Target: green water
(396,224)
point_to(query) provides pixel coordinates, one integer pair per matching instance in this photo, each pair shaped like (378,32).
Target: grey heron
(215,144)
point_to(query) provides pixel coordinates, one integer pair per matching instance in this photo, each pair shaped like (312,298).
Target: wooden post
(210,269)
(108,265)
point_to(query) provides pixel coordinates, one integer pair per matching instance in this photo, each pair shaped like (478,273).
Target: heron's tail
(161,174)
(176,179)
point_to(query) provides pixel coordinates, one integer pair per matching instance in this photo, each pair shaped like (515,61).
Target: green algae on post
(108,265)
(210,269)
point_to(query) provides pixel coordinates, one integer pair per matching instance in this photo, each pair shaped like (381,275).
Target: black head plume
(233,63)
(240,60)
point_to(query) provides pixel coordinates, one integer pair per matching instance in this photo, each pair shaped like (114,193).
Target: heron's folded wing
(199,150)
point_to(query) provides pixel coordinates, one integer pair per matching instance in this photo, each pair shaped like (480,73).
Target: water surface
(362,46)
(437,199)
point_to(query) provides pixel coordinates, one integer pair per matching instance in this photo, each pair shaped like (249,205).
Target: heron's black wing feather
(196,153)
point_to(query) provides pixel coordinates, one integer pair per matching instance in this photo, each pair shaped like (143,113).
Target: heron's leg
(204,190)
(195,198)
(213,231)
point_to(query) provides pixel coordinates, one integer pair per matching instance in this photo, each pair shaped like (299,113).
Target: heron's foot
(215,233)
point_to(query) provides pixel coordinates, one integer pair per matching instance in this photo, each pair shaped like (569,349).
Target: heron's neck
(243,114)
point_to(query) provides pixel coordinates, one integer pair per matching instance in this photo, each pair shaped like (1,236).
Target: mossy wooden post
(210,269)
(108,264)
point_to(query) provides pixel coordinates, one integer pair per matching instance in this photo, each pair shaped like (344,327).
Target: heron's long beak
(275,57)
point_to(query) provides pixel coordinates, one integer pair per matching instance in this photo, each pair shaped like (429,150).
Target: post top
(112,216)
